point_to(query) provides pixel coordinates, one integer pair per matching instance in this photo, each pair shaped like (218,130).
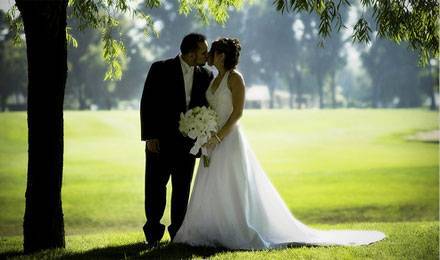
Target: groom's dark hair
(190,42)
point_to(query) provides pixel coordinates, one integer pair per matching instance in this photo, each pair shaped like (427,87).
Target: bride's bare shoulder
(235,78)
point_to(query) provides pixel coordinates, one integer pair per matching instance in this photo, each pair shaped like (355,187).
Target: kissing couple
(233,204)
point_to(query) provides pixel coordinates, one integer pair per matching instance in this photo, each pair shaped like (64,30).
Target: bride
(233,203)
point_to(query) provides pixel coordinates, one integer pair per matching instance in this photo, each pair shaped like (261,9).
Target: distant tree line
(13,77)
(284,53)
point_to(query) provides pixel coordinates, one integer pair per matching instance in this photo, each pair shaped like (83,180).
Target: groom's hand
(153,145)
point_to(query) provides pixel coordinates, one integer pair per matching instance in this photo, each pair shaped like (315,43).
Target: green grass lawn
(333,168)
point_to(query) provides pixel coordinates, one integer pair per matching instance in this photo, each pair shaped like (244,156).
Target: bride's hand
(212,142)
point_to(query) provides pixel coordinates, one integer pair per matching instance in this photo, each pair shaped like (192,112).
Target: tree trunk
(333,89)
(376,95)
(271,97)
(433,105)
(299,96)
(3,102)
(291,96)
(320,92)
(81,97)
(291,92)
(44,26)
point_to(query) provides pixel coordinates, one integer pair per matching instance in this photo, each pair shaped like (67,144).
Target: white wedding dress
(234,205)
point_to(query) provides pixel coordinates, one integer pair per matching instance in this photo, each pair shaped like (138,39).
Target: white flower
(198,123)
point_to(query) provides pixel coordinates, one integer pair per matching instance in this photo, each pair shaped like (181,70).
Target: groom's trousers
(159,168)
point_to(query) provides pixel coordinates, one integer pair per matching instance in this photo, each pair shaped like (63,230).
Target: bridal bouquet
(199,124)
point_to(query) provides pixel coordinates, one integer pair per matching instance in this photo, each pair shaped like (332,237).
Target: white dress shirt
(188,75)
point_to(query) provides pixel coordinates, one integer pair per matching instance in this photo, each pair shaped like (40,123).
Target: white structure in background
(258,96)
(281,99)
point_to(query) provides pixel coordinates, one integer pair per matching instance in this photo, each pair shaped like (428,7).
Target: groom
(172,86)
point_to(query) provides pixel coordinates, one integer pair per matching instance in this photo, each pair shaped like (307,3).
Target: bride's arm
(236,85)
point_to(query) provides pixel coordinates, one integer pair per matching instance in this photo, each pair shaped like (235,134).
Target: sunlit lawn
(353,168)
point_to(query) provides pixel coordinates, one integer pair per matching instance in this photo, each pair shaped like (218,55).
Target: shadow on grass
(165,250)
(139,250)
(11,254)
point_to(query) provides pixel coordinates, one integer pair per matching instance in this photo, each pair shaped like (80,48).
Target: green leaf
(70,39)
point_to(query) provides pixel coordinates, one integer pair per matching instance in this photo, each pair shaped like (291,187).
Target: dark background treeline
(283,60)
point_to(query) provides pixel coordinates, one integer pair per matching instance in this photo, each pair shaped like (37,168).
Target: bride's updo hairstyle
(231,48)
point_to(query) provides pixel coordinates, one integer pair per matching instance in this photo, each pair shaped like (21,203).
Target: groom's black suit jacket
(164,98)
